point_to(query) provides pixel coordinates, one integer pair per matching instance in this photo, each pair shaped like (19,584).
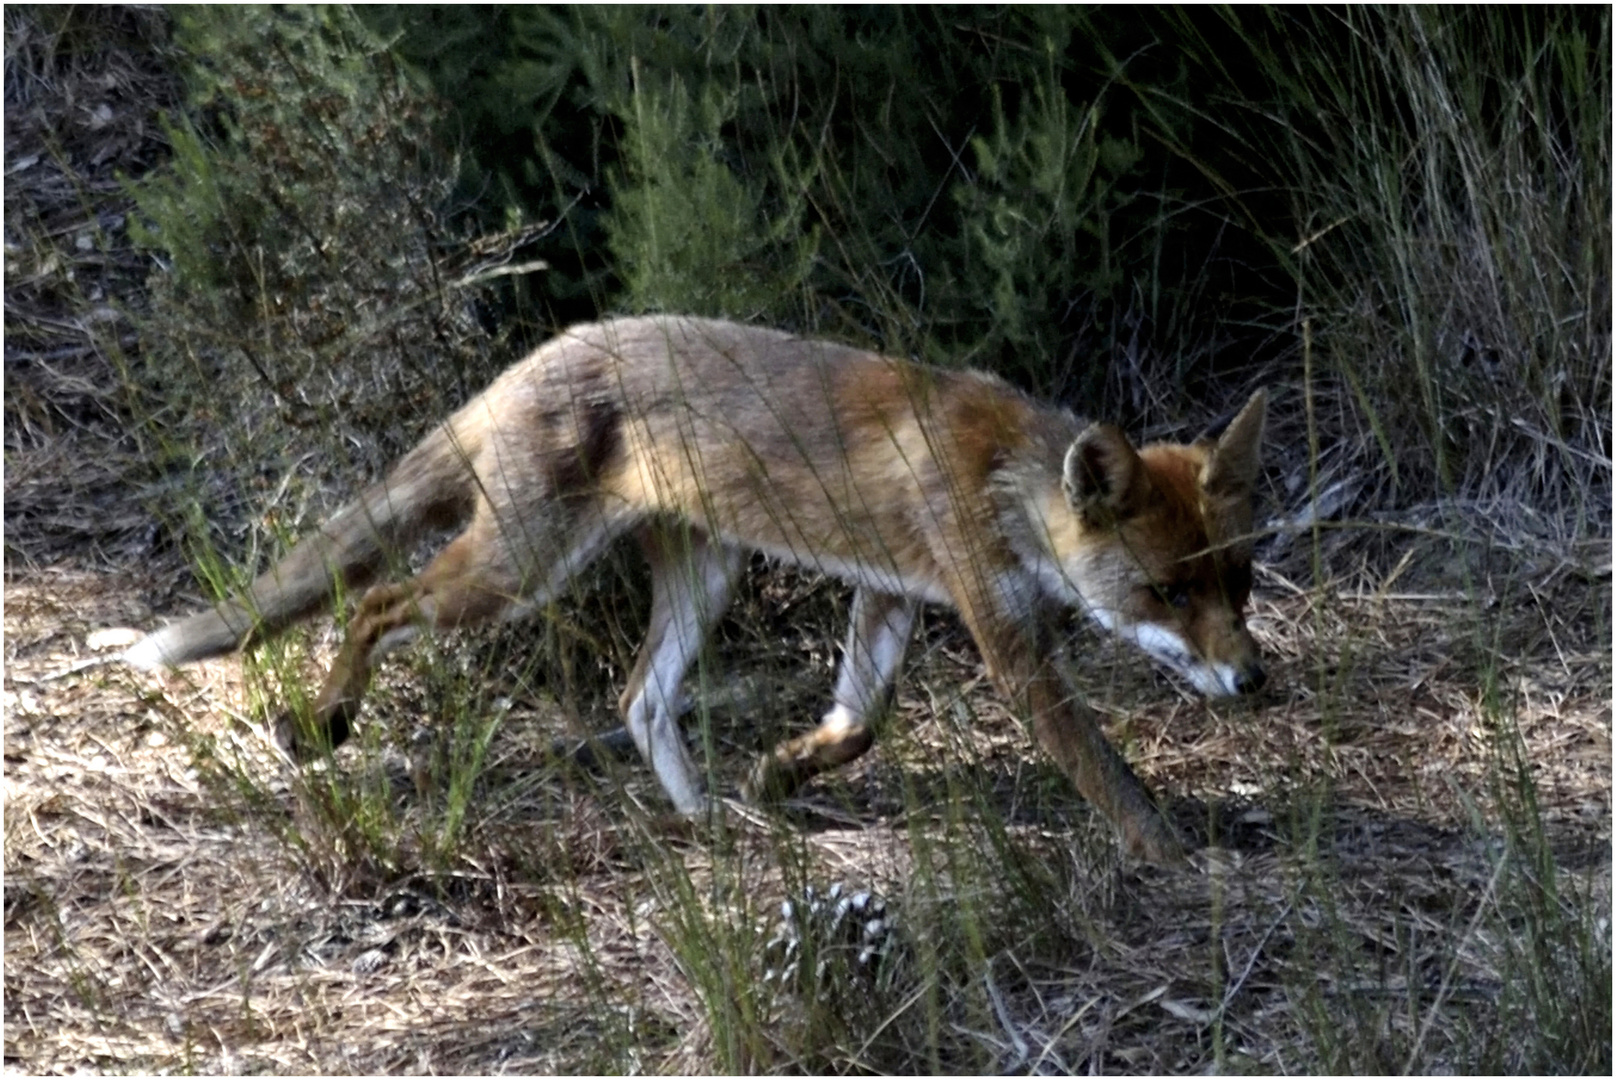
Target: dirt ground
(151,925)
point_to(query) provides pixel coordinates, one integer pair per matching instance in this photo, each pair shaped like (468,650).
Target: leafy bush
(311,275)
(839,153)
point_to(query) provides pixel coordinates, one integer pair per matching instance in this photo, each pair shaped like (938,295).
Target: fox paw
(1152,840)
(793,763)
(304,740)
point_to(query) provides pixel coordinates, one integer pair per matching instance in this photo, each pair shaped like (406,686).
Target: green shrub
(310,273)
(842,165)
(686,233)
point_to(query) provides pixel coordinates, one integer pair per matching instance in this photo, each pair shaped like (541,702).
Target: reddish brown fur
(708,439)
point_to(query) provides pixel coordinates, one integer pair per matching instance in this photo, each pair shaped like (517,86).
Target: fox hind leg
(876,641)
(474,579)
(691,583)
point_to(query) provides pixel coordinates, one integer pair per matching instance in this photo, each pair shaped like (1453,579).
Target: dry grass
(82,101)
(152,924)
(177,899)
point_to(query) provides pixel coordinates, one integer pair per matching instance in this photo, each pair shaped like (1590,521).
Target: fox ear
(1103,477)
(1236,458)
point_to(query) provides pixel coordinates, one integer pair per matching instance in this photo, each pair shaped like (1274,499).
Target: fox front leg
(1016,658)
(877,638)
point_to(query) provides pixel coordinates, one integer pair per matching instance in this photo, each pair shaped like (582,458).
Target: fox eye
(1237,582)
(1177,596)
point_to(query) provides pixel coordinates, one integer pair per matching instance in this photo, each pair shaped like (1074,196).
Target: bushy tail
(431,487)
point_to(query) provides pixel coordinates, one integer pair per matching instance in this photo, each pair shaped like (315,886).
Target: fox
(707,441)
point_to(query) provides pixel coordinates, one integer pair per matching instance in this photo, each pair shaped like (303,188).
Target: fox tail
(430,488)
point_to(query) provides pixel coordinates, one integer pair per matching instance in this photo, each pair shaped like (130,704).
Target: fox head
(1162,553)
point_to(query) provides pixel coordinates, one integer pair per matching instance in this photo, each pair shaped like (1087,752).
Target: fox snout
(1240,679)
(1233,657)
(1230,671)
(1218,678)
(1250,679)
(1225,668)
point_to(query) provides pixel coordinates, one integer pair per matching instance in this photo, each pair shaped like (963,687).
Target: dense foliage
(1135,210)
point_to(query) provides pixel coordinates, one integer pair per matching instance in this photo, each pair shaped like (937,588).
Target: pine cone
(824,942)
